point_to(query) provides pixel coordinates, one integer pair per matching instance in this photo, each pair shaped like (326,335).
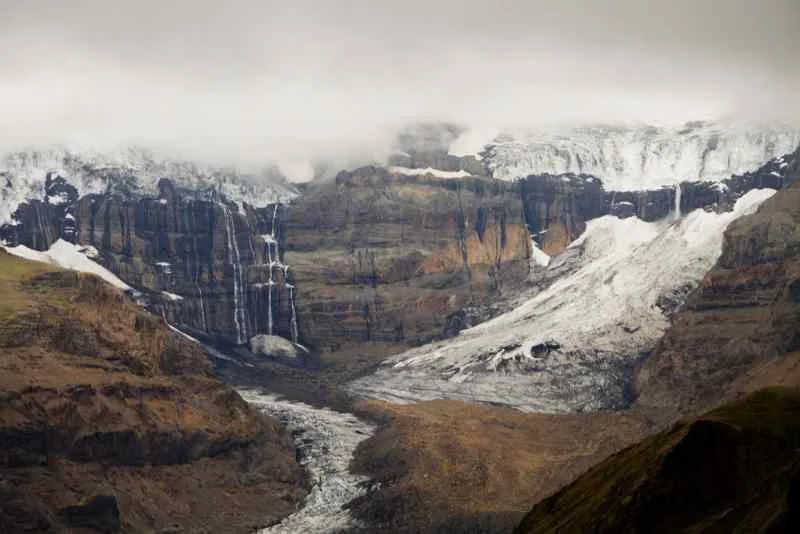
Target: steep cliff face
(557,207)
(387,257)
(739,329)
(212,266)
(108,420)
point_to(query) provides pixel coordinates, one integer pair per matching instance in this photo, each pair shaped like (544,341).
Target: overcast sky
(249,80)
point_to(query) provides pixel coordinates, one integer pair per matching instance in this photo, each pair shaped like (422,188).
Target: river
(326,440)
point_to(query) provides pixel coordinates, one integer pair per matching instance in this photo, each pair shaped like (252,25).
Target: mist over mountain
(250,82)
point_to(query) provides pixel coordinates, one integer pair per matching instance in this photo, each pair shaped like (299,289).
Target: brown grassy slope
(733,470)
(448,466)
(99,397)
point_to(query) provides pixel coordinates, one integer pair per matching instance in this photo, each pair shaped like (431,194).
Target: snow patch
(539,256)
(68,256)
(407,171)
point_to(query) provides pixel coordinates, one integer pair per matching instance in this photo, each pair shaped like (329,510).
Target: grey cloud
(250,80)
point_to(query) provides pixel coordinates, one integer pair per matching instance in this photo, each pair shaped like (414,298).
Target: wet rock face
(382,257)
(558,206)
(221,266)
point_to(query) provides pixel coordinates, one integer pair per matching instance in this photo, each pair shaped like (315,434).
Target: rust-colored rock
(384,257)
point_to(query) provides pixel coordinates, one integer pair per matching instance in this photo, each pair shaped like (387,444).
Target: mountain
(735,469)
(109,420)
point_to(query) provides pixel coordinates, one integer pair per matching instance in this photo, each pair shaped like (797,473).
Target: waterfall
(202,306)
(293,322)
(239,313)
(678,200)
(269,300)
(273,255)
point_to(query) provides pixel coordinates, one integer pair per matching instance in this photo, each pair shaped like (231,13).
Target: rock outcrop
(385,257)
(738,330)
(109,419)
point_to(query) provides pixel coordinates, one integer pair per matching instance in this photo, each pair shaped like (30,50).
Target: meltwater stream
(327,441)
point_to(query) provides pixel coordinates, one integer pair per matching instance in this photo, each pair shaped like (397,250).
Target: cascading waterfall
(273,256)
(269,301)
(293,322)
(239,313)
(202,306)
(678,201)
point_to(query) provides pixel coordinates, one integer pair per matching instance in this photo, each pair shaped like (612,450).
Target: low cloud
(249,81)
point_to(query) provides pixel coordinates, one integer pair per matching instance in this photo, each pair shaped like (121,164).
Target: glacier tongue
(570,347)
(630,158)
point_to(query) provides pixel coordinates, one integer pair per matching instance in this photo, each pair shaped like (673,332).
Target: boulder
(273,346)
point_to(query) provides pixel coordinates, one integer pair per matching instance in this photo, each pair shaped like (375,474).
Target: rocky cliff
(212,266)
(557,207)
(110,421)
(385,257)
(219,268)
(739,329)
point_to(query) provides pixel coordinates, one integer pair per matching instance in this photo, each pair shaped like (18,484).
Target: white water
(269,301)
(239,313)
(327,440)
(677,201)
(293,323)
(202,307)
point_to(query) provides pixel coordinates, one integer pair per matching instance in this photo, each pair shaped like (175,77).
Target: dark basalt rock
(176,244)
(101,513)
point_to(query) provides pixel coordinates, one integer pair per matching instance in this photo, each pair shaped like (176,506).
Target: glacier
(569,346)
(632,157)
(23,175)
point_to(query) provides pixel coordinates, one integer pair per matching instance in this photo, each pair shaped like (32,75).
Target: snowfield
(570,347)
(68,256)
(327,440)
